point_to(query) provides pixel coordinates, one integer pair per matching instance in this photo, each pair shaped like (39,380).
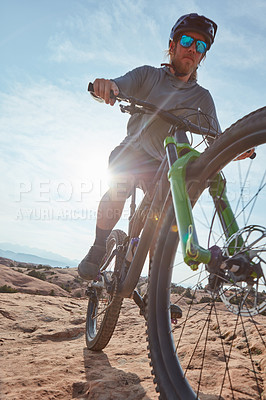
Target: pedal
(176,311)
(92,294)
(97,283)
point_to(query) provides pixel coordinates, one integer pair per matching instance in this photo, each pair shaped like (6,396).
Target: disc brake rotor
(246,297)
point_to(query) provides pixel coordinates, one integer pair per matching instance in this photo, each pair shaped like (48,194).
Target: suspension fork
(217,190)
(179,156)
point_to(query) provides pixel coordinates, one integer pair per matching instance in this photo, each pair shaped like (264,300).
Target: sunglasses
(187,41)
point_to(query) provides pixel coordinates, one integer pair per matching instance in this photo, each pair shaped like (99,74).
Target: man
(172,87)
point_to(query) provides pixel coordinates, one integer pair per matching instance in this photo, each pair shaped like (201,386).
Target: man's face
(186,59)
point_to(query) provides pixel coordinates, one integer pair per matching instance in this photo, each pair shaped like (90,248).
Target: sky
(55,139)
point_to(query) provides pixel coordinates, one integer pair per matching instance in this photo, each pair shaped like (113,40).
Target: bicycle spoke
(242,187)
(251,359)
(104,303)
(240,298)
(226,359)
(256,197)
(253,199)
(220,339)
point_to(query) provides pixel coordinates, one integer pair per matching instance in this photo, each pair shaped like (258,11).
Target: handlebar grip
(91,90)
(90,87)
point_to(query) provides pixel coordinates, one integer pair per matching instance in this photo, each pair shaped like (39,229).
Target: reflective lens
(187,41)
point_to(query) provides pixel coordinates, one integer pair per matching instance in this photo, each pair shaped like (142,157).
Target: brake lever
(131,109)
(119,97)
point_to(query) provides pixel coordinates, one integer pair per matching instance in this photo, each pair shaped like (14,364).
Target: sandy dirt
(43,353)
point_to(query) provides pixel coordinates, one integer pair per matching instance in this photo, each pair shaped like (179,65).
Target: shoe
(89,267)
(176,312)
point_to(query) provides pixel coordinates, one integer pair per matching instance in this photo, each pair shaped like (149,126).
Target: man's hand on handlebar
(103,88)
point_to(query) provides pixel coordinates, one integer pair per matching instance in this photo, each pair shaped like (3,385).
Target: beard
(184,67)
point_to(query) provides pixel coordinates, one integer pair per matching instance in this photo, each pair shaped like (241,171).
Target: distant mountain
(18,248)
(31,258)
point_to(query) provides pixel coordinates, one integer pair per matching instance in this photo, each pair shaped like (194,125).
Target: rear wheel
(217,349)
(104,302)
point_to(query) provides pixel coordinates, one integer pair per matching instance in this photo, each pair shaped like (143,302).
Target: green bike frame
(193,253)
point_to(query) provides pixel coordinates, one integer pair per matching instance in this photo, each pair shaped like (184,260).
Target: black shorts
(126,161)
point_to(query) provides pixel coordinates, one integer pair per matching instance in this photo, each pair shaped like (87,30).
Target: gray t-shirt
(160,87)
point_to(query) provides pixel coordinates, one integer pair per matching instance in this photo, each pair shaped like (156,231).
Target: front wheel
(104,303)
(217,349)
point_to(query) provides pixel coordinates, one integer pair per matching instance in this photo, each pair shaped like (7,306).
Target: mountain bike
(205,304)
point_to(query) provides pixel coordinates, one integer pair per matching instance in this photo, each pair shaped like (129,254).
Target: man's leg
(109,212)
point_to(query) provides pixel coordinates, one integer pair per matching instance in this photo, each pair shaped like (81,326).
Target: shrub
(205,299)
(77,279)
(20,270)
(37,274)
(177,289)
(7,289)
(188,293)
(20,265)
(65,287)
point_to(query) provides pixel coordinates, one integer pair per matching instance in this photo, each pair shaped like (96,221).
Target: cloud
(241,51)
(116,33)
(127,34)
(250,16)
(54,151)
(241,32)
(64,50)
(55,140)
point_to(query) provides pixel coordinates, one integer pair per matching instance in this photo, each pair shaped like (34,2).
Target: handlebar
(143,107)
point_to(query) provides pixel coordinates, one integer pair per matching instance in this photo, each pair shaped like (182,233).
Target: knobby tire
(176,374)
(104,308)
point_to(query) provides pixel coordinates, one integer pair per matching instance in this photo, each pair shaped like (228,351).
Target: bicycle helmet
(195,23)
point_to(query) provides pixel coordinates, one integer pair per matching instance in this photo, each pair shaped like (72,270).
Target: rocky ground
(43,353)
(44,356)
(42,346)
